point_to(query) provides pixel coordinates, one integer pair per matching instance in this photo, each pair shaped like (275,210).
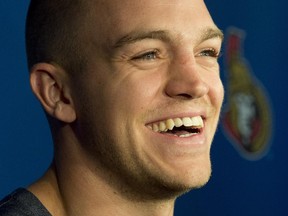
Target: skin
(151,61)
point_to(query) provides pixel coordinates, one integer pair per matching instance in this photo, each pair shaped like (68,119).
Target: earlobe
(48,84)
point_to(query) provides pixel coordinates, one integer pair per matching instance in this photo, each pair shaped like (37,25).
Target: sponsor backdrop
(249,153)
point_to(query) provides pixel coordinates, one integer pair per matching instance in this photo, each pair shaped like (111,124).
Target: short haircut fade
(54,33)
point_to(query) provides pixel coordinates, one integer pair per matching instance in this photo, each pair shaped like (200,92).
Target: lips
(181,127)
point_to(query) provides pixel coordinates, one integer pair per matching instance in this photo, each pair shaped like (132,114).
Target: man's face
(148,104)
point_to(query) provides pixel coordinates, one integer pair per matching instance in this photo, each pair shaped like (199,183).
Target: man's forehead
(130,4)
(118,22)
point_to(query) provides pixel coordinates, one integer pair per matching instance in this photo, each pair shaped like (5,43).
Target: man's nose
(185,80)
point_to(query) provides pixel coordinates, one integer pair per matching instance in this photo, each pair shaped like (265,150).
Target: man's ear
(50,87)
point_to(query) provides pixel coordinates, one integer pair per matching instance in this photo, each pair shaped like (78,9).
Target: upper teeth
(169,124)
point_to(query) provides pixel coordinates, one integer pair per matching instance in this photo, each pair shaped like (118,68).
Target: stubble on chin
(156,186)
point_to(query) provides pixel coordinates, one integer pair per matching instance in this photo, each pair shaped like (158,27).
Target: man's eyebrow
(138,36)
(207,33)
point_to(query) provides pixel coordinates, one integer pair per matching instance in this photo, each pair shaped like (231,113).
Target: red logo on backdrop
(247,120)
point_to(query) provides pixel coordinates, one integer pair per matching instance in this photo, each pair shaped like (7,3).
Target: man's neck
(90,197)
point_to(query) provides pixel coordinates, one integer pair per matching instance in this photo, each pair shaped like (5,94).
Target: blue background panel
(25,143)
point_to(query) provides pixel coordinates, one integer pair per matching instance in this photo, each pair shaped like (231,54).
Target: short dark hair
(55,32)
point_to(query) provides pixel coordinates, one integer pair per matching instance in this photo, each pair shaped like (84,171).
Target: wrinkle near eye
(208,63)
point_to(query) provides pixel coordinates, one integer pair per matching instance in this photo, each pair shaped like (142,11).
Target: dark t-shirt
(22,203)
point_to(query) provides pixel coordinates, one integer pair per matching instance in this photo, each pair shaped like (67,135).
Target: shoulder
(22,203)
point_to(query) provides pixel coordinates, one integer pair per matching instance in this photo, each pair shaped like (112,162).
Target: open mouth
(180,127)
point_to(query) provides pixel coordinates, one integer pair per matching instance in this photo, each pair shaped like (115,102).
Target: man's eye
(210,53)
(147,56)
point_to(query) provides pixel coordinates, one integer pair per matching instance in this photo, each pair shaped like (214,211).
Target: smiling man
(132,93)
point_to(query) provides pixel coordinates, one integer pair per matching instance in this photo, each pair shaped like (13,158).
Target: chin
(174,190)
(194,176)
(181,184)
(194,181)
